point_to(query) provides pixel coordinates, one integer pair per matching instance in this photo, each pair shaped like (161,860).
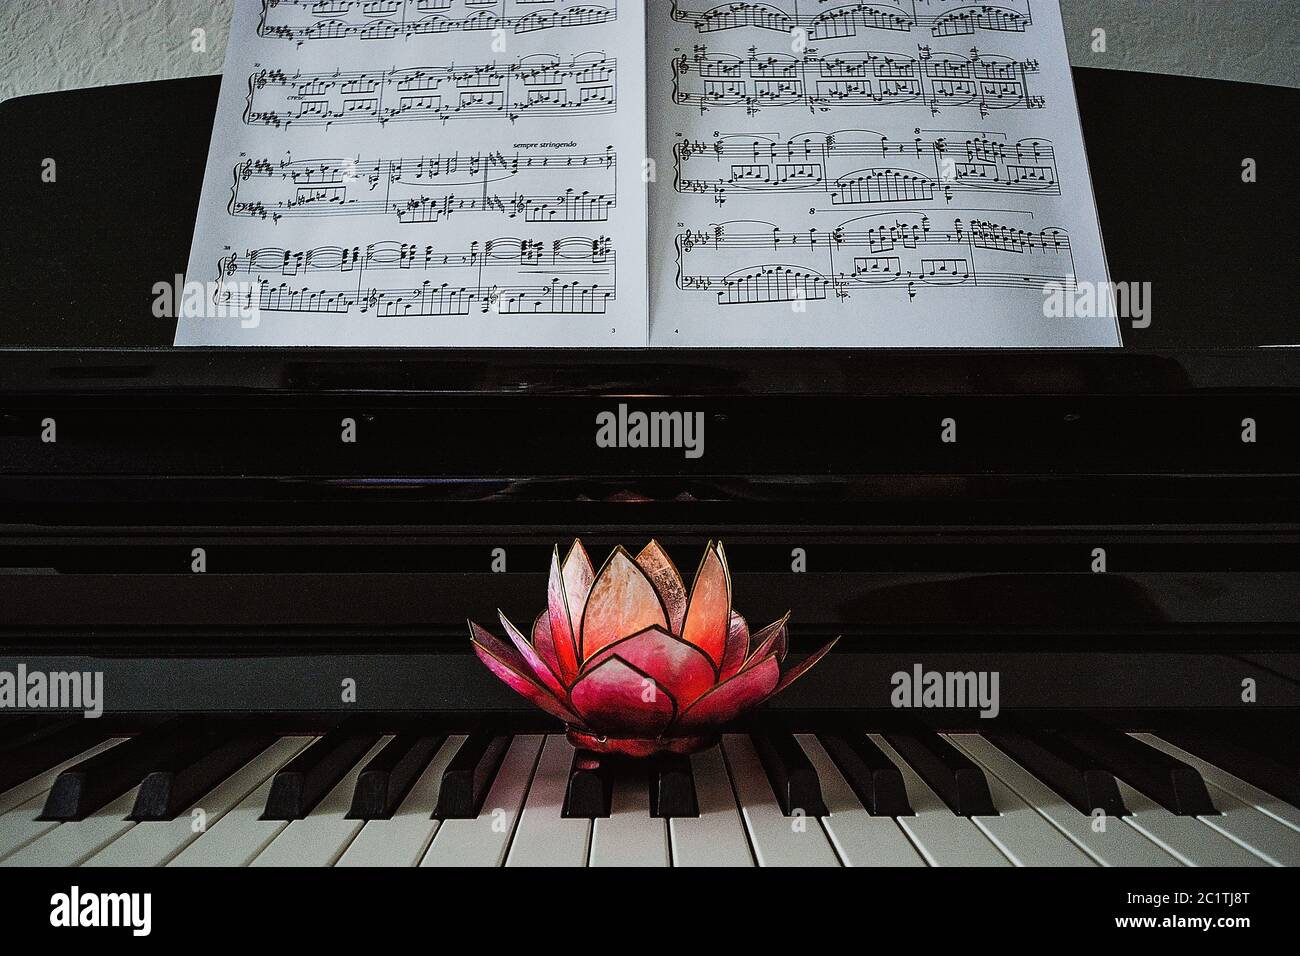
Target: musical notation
(537,188)
(858,167)
(536,85)
(306,20)
(845,20)
(822,82)
(505,276)
(887,251)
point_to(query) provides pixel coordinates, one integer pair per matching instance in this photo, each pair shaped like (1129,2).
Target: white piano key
(73,841)
(629,836)
(238,837)
(1187,838)
(484,840)
(1118,845)
(324,834)
(1273,842)
(1025,836)
(544,837)
(154,843)
(943,838)
(42,782)
(1261,800)
(403,839)
(778,840)
(20,826)
(860,839)
(717,836)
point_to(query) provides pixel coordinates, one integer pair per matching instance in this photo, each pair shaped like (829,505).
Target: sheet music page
(425,173)
(898,173)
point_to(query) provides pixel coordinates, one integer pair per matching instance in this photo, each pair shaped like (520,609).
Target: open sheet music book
(675,173)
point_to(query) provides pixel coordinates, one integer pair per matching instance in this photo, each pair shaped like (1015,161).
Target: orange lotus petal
(578,577)
(680,668)
(708,614)
(747,689)
(792,675)
(532,658)
(663,574)
(617,700)
(737,647)
(502,661)
(564,640)
(622,602)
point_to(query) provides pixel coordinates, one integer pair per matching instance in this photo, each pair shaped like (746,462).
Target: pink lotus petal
(622,602)
(772,640)
(490,651)
(802,667)
(499,649)
(708,614)
(617,700)
(531,658)
(578,577)
(747,689)
(680,668)
(737,647)
(563,636)
(663,574)
(543,644)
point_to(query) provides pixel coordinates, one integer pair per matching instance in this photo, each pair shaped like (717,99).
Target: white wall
(64,44)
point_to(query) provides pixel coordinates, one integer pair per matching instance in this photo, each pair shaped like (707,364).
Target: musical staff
(533,187)
(886,251)
(962,18)
(760,81)
(307,20)
(536,85)
(858,167)
(505,276)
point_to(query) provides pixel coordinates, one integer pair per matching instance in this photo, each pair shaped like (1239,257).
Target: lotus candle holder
(632,662)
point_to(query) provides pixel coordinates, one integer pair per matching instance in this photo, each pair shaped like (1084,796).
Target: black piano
(279,617)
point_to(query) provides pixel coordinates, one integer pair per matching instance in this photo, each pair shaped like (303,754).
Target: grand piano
(279,617)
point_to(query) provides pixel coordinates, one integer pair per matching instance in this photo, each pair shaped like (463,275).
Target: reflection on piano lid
(740,811)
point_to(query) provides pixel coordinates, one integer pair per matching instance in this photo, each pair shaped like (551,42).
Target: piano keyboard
(173,796)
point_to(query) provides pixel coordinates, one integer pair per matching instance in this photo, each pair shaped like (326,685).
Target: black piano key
(86,787)
(469,776)
(386,780)
(305,780)
(672,787)
(590,792)
(25,760)
(791,773)
(179,782)
(1246,757)
(869,771)
(950,773)
(1080,779)
(1171,783)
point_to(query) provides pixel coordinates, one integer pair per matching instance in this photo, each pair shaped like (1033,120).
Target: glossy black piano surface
(979,554)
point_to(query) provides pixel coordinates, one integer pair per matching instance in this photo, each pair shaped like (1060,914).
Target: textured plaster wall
(63,44)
